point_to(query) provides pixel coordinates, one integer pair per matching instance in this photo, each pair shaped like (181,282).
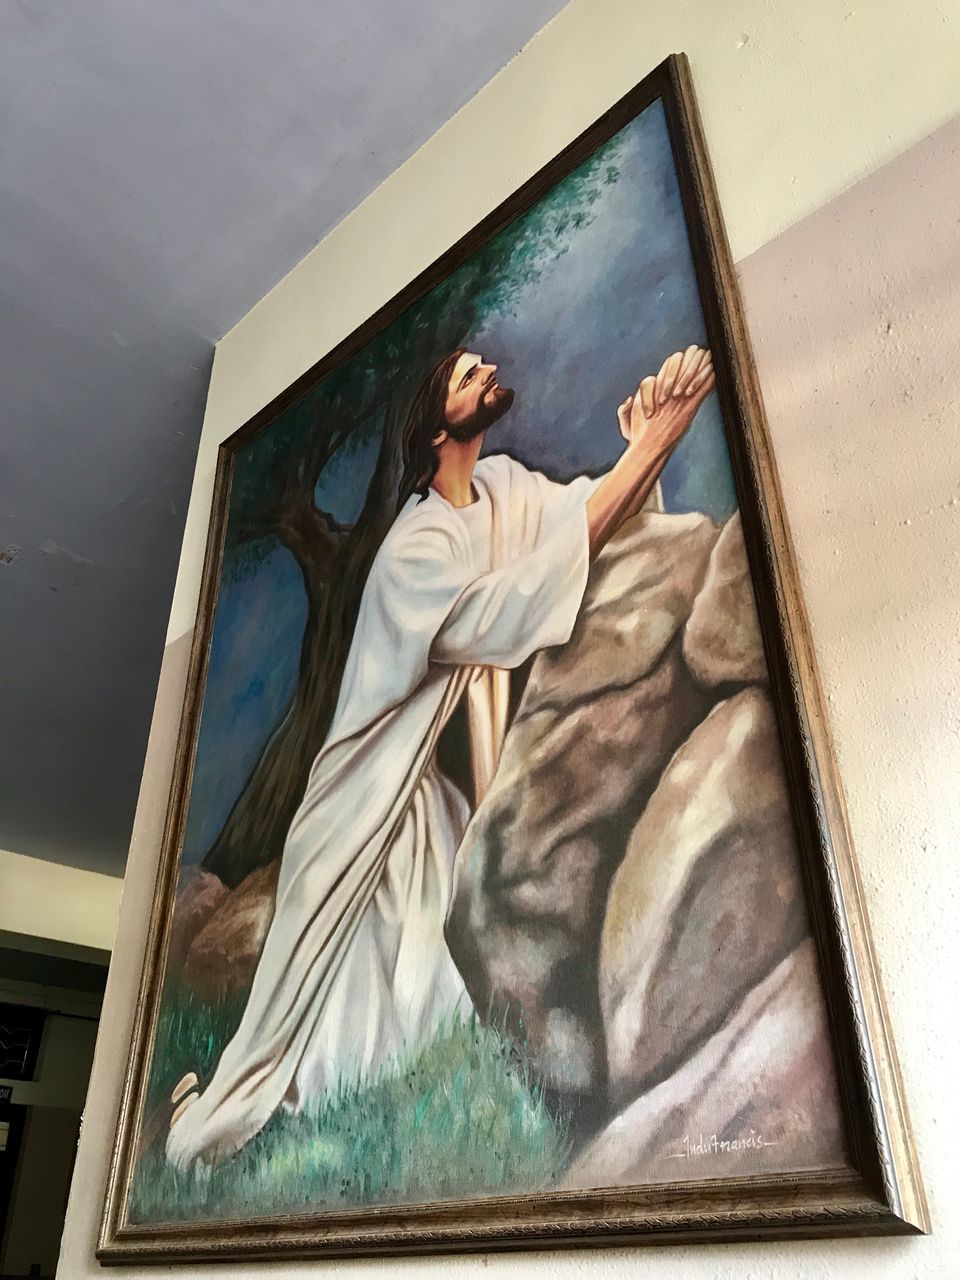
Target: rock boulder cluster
(627,896)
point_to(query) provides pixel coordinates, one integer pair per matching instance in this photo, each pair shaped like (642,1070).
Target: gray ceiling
(162,165)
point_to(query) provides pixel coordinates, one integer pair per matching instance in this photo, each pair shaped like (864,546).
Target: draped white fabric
(355,969)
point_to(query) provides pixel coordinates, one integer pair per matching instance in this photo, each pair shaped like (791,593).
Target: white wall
(67,904)
(799,103)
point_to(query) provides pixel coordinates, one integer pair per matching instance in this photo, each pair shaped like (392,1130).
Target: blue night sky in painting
(603,314)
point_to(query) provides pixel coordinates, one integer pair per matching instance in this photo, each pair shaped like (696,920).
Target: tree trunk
(256,828)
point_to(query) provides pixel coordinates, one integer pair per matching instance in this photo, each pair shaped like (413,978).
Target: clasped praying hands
(662,407)
(652,421)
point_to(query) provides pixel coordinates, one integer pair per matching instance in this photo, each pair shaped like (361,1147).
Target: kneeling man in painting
(485,565)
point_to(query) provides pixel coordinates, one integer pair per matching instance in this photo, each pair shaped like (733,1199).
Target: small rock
(223,956)
(199,895)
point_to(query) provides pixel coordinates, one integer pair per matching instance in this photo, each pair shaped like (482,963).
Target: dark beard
(484,418)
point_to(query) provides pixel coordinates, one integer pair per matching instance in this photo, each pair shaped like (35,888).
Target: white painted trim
(48,900)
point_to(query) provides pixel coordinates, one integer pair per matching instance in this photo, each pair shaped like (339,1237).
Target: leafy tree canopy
(284,462)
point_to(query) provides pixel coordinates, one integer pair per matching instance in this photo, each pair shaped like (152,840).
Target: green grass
(464,1117)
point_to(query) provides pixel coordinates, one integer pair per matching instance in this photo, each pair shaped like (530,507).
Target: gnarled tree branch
(313,536)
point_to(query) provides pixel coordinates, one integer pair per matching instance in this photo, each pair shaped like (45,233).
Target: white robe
(355,968)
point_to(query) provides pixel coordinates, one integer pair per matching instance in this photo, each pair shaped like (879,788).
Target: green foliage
(463,1117)
(189,1031)
(294,449)
(516,259)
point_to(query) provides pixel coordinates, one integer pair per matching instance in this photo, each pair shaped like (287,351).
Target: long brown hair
(425,418)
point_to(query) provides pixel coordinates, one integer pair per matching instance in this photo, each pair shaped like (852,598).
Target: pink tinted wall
(854,315)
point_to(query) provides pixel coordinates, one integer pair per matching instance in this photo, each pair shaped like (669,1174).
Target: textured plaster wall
(853,313)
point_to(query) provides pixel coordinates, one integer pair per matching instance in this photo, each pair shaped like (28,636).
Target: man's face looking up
(475,399)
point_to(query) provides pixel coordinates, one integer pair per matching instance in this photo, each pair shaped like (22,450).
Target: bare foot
(183,1095)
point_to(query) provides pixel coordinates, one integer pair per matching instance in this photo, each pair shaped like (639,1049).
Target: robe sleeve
(539,505)
(424,603)
(560,502)
(415,581)
(502,617)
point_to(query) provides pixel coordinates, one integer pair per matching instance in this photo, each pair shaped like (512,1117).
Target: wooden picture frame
(878,1191)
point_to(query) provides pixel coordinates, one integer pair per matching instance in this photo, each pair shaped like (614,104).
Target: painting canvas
(486,881)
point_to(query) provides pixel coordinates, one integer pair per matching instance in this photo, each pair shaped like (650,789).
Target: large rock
(758,1095)
(707,901)
(223,956)
(640,595)
(721,641)
(598,721)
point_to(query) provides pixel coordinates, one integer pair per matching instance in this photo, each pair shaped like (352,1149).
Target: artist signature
(695,1148)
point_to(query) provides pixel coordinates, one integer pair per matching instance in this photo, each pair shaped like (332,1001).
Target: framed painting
(506,895)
